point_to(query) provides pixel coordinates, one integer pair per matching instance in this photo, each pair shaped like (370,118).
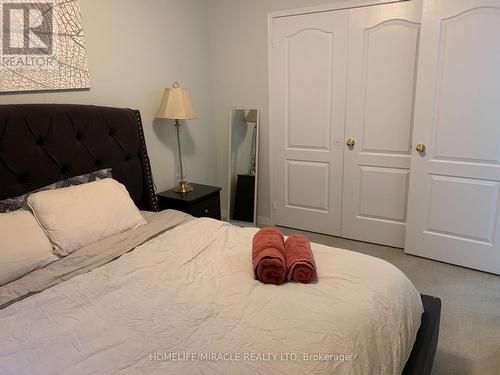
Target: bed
(177,295)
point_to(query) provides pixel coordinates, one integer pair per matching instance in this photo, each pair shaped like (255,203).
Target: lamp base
(183,187)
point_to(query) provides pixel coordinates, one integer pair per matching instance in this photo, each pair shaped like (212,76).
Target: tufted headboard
(44,143)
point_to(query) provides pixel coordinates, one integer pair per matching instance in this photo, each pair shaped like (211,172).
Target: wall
(239,74)
(135,50)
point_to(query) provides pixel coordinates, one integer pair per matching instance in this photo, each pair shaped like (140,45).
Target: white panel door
(453,213)
(383,50)
(308,89)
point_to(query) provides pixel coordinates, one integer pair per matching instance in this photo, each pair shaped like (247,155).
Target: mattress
(186,302)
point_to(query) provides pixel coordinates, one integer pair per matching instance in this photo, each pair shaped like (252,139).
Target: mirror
(243,165)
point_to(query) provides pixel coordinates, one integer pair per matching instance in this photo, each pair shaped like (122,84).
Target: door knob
(420,148)
(350,142)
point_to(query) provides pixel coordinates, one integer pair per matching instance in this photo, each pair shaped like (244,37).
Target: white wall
(239,74)
(136,49)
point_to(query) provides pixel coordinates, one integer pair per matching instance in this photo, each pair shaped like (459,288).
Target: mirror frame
(257,169)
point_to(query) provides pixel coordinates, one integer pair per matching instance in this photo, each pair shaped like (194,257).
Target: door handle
(420,148)
(350,142)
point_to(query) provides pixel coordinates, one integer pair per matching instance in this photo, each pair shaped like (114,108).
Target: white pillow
(23,246)
(77,216)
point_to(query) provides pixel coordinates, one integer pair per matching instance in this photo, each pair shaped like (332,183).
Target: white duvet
(186,303)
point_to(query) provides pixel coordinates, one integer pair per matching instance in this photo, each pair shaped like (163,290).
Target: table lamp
(176,106)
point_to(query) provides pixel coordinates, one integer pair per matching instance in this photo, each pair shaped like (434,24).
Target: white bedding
(191,290)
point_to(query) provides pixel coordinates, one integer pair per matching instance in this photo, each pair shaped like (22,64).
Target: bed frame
(424,349)
(45,143)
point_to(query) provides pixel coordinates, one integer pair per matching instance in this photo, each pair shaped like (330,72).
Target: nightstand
(203,201)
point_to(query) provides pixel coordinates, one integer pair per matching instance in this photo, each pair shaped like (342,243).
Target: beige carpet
(469,338)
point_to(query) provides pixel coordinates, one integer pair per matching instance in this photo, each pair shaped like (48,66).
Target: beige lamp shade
(251,116)
(176,104)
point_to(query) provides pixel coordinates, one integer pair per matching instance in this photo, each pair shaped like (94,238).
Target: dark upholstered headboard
(44,143)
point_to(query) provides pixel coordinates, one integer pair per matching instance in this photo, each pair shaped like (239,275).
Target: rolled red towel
(268,256)
(300,259)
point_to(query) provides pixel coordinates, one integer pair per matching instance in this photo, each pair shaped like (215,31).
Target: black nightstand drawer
(203,201)
(209,207)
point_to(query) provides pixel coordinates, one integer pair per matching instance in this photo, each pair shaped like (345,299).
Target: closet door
(383,52)
(308,89)
(453,212)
